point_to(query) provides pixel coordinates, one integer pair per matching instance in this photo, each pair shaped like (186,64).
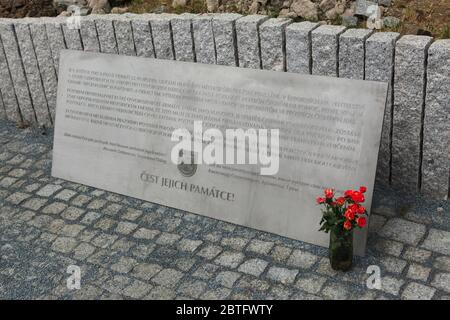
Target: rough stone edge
(386,42)
(275,27)
(205,48)
(354,37)
(334,32)
(17,71)
(33,73)
(407,177)
(7,90)
(250,59)
(436,181)
(295,33)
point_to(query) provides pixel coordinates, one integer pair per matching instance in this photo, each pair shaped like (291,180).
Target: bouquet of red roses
(344,213)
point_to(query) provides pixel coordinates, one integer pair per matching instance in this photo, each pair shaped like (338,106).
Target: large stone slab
(379,65)
(409,97)
(117,137)
(352,50)
(325,58)
(247,35)
(273,43)
(142,35)
(436,135)
(205,50)
(299,47)
(46,65)
(17,72)
(183,41)
(162,36)
(224,29)
(32,72)
(8,93)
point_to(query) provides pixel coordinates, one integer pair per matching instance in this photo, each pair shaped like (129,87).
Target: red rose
(349,214)
(362,189)
(354,207)
(361,210)
(329,193)
(357,197)
(361,221)
(347,225)
(320,200)
(340,201)
(348,193)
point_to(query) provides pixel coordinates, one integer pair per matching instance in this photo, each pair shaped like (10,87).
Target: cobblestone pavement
(128,248)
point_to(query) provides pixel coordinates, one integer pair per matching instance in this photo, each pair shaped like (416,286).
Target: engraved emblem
(187,164)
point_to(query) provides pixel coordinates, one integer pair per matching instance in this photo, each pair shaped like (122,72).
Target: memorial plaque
(116,115)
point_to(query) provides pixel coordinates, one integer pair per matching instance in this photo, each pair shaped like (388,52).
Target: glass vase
(341,249)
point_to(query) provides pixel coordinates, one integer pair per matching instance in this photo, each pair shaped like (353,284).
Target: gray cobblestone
(64,244)
(72,213)
(146,271)
(168,277)
(302,259)
(260,247)
(442,281)
(310,283)
(418,272)
(417,291)
(282,275)
(230,259)
(253,266)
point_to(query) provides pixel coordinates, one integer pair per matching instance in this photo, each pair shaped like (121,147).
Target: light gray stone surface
(72,37)
(409,85)
(273,47)
(224,30)
(417,291)
(55,39)
(205,50)
(325,59)
(403,231)
(313,91)
(124,35)
(162,36)
(352,48)
(46,66)
(183,40)
(436,135)
(32,72)
(142,35)
(248,41)
(2,107)
(438,241)
(379,65)
(299,47)
(9,99)
(88,32)
(106,36)
(17,72)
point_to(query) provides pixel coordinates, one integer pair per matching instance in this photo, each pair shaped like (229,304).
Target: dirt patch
(26,8)
(427,15)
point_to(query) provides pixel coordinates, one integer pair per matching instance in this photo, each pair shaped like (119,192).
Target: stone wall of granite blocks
(415,142)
